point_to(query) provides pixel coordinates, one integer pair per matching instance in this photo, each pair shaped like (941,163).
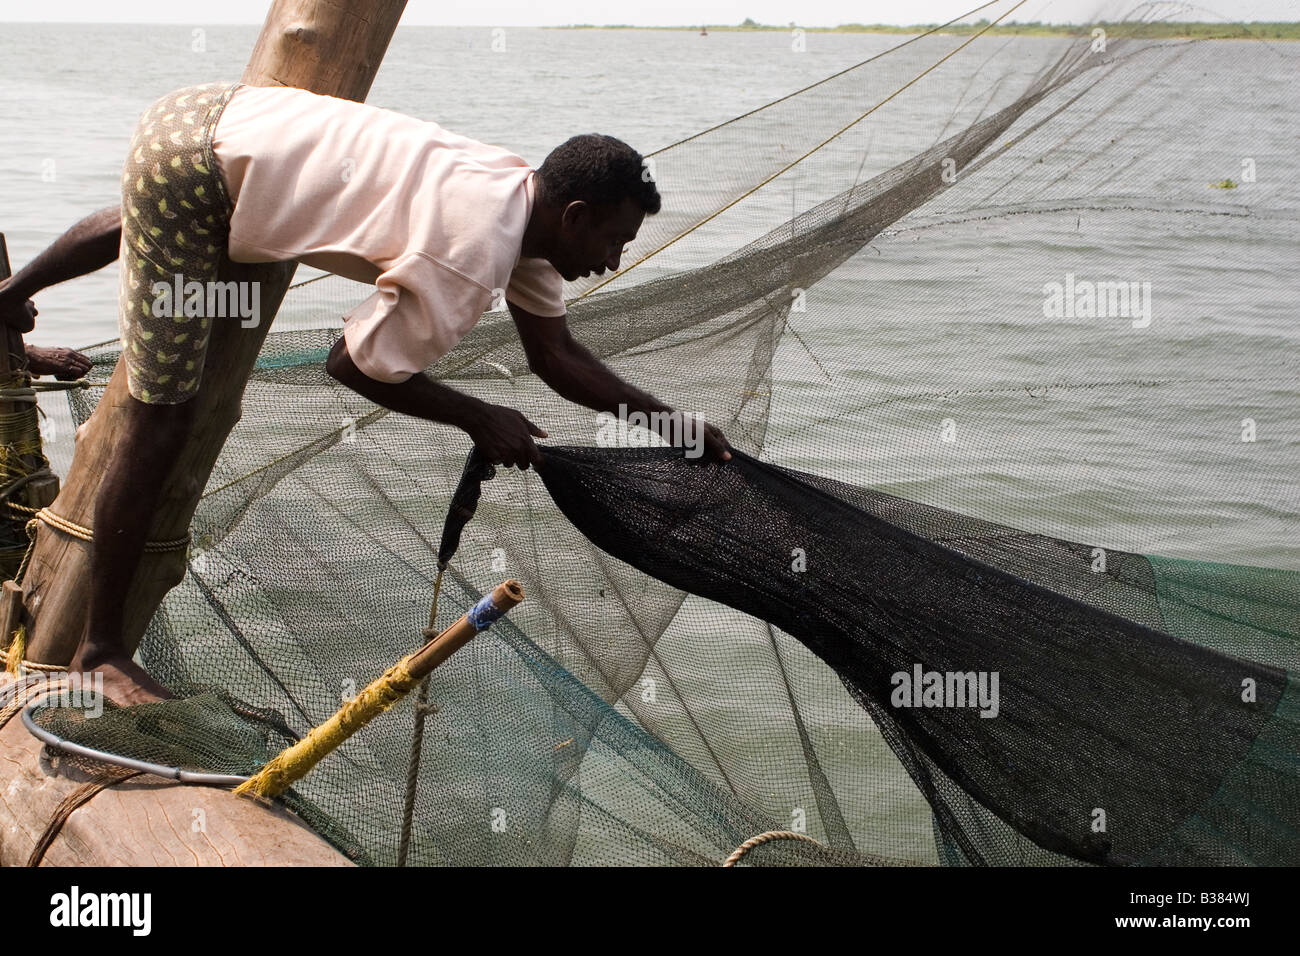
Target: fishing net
(840,281)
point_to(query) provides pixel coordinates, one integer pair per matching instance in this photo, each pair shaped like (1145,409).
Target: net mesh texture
(710,652)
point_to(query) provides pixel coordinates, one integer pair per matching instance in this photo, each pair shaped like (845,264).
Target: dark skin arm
(89,245)
(504,436)
(569,368)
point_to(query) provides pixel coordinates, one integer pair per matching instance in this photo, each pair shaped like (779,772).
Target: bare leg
(124,509)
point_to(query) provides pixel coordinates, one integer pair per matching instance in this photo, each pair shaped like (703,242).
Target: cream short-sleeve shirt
(433,219)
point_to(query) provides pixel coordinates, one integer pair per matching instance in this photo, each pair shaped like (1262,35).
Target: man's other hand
(716,447)
(64,364)
(17,313)
(505,437)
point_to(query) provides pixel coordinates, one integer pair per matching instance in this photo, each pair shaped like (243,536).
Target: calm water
(1158,469)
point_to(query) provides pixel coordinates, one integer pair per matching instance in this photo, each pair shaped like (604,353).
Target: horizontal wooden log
(143,821)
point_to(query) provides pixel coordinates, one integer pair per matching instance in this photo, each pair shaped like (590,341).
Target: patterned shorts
(175,220)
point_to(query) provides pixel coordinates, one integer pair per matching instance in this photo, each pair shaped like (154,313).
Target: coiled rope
(15,662)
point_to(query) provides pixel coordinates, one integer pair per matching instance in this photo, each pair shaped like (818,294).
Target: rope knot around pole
(81,532)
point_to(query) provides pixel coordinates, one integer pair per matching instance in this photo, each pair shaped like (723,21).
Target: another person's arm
(89,245)
(574,373)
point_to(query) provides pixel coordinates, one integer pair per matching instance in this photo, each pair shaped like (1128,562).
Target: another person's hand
(18,313)
(505,437)
(63,363)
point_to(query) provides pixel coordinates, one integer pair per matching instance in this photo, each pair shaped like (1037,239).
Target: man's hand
(716,447)
(505,437)
(18,313)
(64,364)
(703,442)
(574,373)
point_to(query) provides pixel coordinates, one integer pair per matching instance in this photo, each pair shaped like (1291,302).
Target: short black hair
(597,169)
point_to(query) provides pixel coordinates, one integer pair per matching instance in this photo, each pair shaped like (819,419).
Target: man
(442,225)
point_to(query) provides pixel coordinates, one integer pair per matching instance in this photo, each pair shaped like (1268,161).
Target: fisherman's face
(592,237)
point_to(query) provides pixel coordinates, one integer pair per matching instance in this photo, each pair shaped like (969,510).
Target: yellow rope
(762,838)
(21,462)
(8,656)
(85,534)
(295,761)
(16,651)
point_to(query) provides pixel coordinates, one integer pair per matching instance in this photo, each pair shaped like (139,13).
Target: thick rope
(422,710)
(22,461)
(767,837)
(77,798)
(85,534)
(12,661)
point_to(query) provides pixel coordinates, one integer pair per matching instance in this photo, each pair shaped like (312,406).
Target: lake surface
(946,282)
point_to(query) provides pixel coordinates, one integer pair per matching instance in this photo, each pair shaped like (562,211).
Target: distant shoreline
(1237,30)
(1147,31)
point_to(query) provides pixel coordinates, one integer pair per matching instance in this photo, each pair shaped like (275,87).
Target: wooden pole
(23,467)
(13,359)
(297,760)
(326,46)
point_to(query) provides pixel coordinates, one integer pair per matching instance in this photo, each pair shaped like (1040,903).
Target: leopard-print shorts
(175,221)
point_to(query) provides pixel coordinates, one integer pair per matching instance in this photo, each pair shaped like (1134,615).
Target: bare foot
(125,681)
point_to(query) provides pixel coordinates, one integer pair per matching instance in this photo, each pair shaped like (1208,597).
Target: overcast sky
(642,12)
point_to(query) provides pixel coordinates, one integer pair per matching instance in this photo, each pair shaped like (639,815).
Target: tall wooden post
(25,477)
(325,46)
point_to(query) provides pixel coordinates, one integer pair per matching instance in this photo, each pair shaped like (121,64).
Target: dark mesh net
(1093,736)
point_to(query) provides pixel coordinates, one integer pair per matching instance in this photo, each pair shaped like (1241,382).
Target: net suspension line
(840,132)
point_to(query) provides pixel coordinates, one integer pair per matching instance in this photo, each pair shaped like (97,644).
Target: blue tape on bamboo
(484,614)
